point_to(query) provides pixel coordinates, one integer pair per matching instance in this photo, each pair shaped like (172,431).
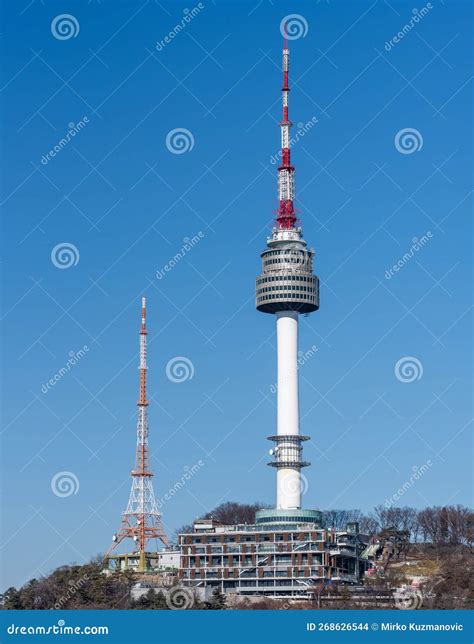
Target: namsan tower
(288,550)
(287,287)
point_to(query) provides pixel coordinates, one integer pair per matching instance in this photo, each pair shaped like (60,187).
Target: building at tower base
(273,557)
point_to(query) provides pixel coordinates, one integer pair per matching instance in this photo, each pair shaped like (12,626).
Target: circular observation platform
(279,516)
(287,282)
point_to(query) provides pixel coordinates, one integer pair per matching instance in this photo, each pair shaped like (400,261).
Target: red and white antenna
(286,183)
(141,521)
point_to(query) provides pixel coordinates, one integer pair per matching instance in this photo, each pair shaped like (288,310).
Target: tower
(141,521)
(286,288)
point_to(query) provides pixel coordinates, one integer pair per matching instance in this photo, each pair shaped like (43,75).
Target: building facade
(281,560)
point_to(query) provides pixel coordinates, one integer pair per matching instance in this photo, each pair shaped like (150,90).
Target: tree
(230,513)
(73,587)
(11,599)
(151,601)
(452,586)
(368,524)
(448,524)
(338,519)
(218,600)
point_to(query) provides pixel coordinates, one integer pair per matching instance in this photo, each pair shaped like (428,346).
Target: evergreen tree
(218,601)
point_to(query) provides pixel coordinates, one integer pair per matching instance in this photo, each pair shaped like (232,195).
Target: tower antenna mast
(286,218)
(141,521)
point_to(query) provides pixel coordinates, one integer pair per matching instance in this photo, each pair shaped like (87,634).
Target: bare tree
(368,524)
(338,519)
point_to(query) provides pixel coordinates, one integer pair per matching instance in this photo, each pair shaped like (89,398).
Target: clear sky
(125,201)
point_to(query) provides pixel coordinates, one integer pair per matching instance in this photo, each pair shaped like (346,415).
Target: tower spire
(141,521)
(286,218)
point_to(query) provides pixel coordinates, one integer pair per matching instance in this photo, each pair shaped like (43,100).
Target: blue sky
(126,202)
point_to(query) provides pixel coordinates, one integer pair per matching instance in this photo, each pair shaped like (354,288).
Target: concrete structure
(166,560)
(287,287)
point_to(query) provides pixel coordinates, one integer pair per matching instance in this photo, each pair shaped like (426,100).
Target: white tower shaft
(288,478)
(287,347)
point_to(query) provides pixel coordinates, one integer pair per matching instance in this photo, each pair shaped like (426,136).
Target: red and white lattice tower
(141,521)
